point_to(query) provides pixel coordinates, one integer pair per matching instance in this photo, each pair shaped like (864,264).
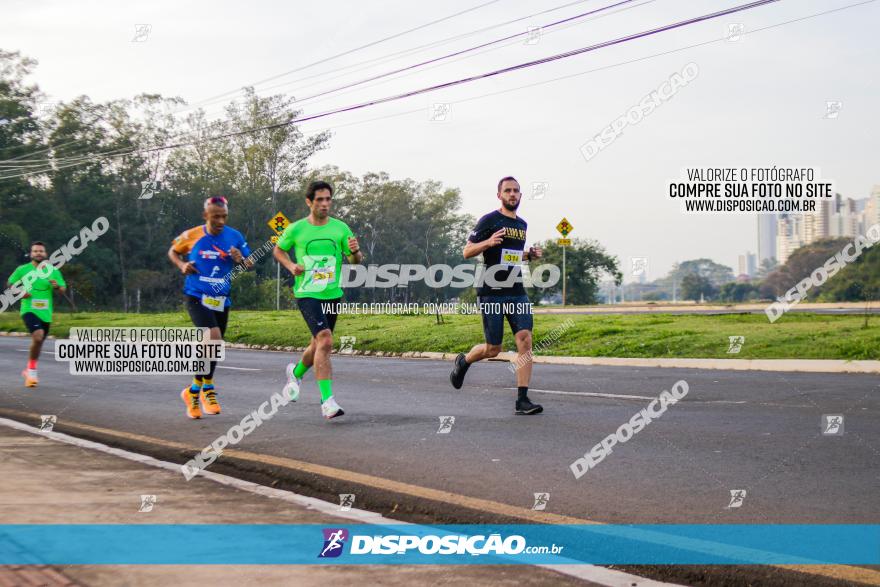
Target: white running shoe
(293,383)
(330,409)
(30,377)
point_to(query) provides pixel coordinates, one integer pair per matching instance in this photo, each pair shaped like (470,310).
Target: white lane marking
(596,574)
(589,394)
(41,352)
(624,396)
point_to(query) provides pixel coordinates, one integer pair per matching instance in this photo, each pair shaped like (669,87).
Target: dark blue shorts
(33,323)
(203,317)
(517,309)
(319,314)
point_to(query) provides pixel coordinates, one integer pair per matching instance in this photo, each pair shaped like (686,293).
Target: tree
(799,265)
(766,267)
(402,222)
(696,287)
(738,292)
(91,159)
(716,273)
(586,263)
(20,134)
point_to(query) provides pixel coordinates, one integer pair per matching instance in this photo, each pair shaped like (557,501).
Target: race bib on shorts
(511,257)
(39,304)
(216,303)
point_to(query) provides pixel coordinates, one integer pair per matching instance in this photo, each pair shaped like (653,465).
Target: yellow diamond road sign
(563,242)
(278,223)
(564,227)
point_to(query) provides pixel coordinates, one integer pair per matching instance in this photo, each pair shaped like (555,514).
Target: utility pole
(563,275)
(277,268)
(277,223)
(564,228)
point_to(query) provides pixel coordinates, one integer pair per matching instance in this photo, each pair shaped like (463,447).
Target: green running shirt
(40,302)
(320,249)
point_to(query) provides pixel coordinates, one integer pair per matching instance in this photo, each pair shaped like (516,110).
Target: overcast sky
(759,101)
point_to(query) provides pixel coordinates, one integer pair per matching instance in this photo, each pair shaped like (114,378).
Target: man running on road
(319,243)
(209,253)
(36,305)
(500,237)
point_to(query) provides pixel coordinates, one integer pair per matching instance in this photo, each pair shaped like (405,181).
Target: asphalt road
(753,431)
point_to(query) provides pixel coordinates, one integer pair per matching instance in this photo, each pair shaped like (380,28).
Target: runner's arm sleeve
(56,275)
(182,244)
(285,242)
(347,234)
(16,275)
(244,248)
(480,231)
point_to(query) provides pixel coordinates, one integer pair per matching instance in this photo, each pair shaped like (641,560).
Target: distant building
(815,225)
(789,236)
(796,230)
(766,236)
(871,213)
(845,218)
(779,235)
(748,264)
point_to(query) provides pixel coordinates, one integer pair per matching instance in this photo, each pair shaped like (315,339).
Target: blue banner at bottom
(217,544)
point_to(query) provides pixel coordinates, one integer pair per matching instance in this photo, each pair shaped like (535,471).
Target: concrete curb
(788,365)
(783,365)
(698,309)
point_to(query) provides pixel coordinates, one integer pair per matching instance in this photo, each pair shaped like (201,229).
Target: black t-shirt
(508,253)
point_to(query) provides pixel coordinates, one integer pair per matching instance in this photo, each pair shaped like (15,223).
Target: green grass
(796,336)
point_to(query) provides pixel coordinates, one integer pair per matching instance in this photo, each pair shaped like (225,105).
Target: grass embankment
(794,336)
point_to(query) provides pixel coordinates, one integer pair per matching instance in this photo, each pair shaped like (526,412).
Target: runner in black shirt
(500,237)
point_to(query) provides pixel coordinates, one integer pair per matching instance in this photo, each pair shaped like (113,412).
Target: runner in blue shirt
(207,254)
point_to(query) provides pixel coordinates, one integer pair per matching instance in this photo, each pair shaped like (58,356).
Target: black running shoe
(456,378)
(524,407)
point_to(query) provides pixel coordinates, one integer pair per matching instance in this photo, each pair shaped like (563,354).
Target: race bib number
(216,303)
(320,273)
(324,276)
(511,257)
(39,304)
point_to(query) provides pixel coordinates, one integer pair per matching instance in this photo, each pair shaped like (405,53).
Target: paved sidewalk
(43,481)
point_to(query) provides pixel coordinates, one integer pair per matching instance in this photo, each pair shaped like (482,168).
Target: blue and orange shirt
(210,254)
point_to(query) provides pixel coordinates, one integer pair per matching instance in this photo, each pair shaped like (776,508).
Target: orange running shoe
(30,377)
(210,405)
(192,404)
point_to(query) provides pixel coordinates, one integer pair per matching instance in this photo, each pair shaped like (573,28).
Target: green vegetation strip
(795,336)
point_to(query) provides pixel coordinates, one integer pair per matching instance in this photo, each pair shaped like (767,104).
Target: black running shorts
(319,314)
(203,317)
(33,323)
(516,309)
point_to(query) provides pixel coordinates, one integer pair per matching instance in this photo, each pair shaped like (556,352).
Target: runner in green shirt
(36,305)
(319,243)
